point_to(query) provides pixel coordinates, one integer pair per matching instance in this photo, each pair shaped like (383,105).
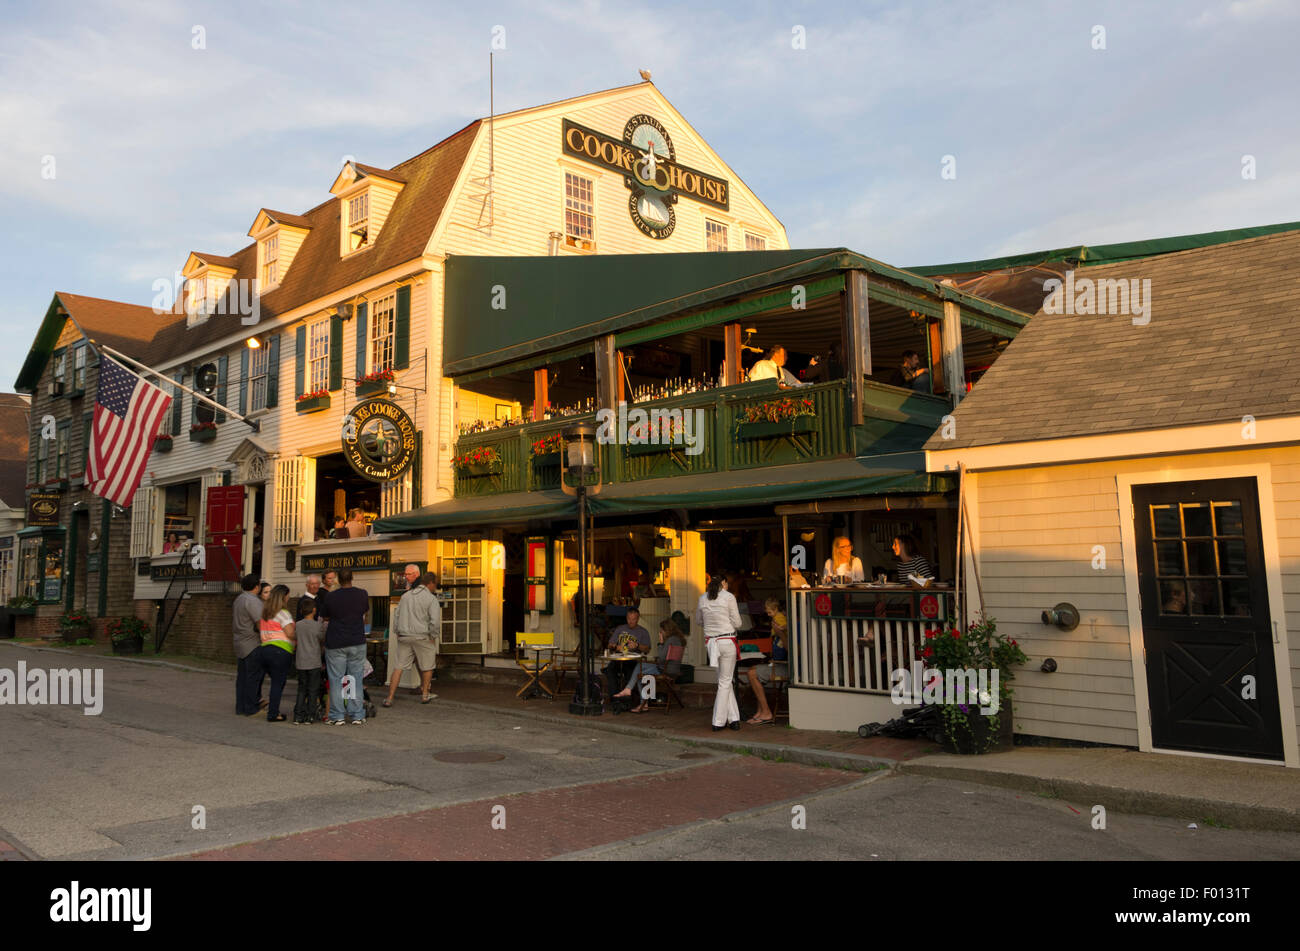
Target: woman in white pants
(719,618)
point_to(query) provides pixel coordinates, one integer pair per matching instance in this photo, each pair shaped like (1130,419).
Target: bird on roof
(645,74)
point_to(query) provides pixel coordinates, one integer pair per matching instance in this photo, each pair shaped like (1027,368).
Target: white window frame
(712,229)
(258,367)
(7,572)
(382,330)
(755,242)
(577,207)
(271,261)
(318,356)
(142,521)
(359,202)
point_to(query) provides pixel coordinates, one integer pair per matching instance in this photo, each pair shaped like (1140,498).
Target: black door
(1205,620)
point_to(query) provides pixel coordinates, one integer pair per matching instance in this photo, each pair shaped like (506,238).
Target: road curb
(825,759)
(1196,809)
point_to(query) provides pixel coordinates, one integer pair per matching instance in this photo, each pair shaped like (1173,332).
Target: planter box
(162,445)
(373,388)
(134,645)
(72,635)
(203,435)
(650,448)
(477,471)
(976,739)
(546,460)
(313,405)
(768,430)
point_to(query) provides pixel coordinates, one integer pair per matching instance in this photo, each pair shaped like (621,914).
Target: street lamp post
(580,476)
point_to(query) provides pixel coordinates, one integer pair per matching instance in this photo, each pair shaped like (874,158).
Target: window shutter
(292,476)
(299,360)
(361,341)
(142,523)
(223,364)
(273,372)
(402,335)
(210,480)
(336,352)
(177,395)
(243,381)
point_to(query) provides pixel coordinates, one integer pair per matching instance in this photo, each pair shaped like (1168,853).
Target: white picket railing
(828,652)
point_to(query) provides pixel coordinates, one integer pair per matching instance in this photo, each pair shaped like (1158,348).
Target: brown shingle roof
(14,411)
(1223,342)
(284,218)
(318,269)
(129,328)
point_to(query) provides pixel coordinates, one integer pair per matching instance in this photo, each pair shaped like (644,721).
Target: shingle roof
(129,328)
(13,449)
(1223,342)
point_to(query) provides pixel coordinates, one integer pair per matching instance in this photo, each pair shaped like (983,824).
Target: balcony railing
(896,420)
(854,638)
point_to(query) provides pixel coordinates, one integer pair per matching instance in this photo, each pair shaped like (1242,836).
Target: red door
(225,541)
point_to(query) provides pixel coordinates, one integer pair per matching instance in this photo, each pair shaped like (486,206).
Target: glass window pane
(1164,518)
(1169,558)
(1236,598)
(1173,597)
(1196,519)
(1228,517)
(1200,558)
(1203,596)
(1232,557)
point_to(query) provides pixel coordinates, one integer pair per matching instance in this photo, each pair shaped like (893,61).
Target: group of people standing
(326,630)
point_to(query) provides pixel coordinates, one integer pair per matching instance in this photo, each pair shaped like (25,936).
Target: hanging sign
(929,606)
(43,508)
(379,440)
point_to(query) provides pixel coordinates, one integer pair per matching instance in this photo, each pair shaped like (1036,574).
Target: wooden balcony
(895,420)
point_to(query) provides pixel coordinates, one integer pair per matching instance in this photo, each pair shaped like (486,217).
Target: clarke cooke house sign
(648,161)
(379,440)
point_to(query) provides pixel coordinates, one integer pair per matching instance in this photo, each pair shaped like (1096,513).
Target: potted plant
(375,382)
(74,625)
(127,634)
(203,432)
(668,438)
(313,401)
(783,417)
(484,460)
(21,604)
(162,443)
(965,727)
(546,451)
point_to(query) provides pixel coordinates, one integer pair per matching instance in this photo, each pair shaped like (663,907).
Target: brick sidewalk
(541,825)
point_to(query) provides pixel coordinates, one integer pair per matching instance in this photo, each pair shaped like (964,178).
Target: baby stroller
(915,722)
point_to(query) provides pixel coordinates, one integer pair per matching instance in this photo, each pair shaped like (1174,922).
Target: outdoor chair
(530,664)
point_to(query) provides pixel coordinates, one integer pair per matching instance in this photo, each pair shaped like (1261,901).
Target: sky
(917,133)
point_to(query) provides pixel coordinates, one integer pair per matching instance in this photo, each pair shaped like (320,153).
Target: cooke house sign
(379,440)
(648,161)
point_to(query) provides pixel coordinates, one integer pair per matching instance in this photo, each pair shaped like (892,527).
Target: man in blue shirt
(345,648)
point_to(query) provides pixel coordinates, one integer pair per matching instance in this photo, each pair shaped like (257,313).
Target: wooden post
(608,374)
(541,397)
(856,329)
(731,336)
(938,378)
(954,361)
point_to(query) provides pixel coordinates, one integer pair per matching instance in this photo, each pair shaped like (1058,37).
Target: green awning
(896,473)
(541,304)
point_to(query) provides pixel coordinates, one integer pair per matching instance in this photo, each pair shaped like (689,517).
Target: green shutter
(299,361)
(177,401)
(402,341)
(243,381)
(273,372)
(361,341)
(223,364)
(336,351)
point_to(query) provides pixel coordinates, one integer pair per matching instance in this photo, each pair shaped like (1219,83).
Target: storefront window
(180,515)
(341,493)
(40,566)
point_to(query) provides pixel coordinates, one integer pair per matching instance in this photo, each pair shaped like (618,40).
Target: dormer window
(271,261)
(196,299)
(358,220)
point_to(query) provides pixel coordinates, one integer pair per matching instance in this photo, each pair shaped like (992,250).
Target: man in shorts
(417,624)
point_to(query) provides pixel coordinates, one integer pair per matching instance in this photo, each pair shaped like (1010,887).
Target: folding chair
(533,666)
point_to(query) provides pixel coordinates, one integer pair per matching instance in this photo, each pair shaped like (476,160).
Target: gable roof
(14,410)
(130,328)
(1222,342)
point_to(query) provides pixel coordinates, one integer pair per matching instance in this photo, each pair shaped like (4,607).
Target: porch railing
(827,628)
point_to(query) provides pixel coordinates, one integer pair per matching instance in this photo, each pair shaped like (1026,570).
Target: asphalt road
(126,784)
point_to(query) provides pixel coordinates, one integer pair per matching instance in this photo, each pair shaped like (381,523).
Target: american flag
(128,412)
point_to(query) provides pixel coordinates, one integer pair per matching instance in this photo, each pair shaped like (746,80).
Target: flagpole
(254,424)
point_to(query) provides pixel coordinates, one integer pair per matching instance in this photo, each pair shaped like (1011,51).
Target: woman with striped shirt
(910,560)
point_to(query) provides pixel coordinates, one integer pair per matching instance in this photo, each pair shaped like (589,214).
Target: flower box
(162,445)
(313,404)
(763,429)
(476,470)
(202,435)
(371,388)
(131,645)
(546,460)
(651,448)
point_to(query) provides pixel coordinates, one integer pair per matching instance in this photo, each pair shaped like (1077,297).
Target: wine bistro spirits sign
(648,161)
(379,440)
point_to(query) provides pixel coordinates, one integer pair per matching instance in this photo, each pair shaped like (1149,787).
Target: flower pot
(980,734)
(763,429)
(313,404)
(372,388)
(650,448)
(132,645)
(162,445)
(202,435)
(71,635)
(546,460)
(479,470)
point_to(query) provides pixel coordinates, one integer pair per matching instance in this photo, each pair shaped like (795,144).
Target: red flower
(1014,644)
(928,652)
